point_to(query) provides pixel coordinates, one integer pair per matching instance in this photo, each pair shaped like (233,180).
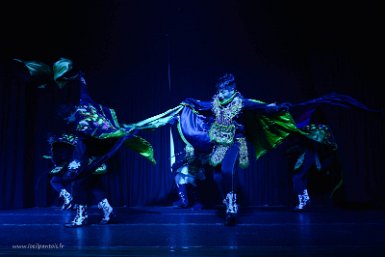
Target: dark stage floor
(166,231)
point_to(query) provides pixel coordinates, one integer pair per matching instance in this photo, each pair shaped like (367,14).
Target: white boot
(303,200)
(107,211)
(81,217)
(67,198)
(231,208)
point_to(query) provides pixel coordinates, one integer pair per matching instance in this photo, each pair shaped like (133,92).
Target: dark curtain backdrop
(144,57)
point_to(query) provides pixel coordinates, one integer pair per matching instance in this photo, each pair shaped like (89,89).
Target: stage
(167,231)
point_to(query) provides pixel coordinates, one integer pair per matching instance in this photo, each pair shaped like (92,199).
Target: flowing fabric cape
(193,118)
(263,128)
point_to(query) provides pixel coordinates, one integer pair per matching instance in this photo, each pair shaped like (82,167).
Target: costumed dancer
(189,174)
(228,133)
(99,137)
(316,150)
(223,128)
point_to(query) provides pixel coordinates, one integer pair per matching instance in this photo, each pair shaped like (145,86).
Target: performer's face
(225,93)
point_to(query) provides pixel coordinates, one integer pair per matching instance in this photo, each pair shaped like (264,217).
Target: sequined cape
(263,128)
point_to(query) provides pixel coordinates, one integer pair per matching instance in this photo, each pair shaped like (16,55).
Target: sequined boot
(81,217)
(67,199)
(108,211)
(303,201)
(231,209)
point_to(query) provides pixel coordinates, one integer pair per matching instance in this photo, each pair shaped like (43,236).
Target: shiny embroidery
(225,114)
(222,131)
(74,165)
(91,121)
(243,153)
(218,154)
